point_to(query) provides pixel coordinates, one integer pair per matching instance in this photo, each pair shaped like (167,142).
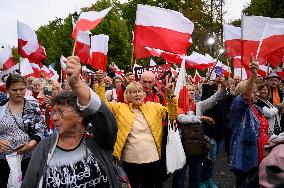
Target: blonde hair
(191,85)
(133,86)
(39,81)
(239,90)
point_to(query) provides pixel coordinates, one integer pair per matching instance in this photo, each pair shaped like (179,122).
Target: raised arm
(248,88)
(73,71)
(103,122)
(205,105)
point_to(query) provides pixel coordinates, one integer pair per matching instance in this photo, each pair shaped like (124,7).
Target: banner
(158,70)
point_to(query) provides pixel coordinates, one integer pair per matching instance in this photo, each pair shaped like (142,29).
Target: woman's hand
(169,90)
(73,70)
(207,119)
(24,148)
(4,146)
(100,77)
(253,66)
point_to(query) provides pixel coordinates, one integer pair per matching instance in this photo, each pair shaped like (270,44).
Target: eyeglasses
(58,113)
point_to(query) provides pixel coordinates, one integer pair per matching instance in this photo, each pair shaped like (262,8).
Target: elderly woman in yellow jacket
(140,130)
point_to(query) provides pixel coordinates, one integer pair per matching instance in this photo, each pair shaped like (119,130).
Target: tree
(267,8)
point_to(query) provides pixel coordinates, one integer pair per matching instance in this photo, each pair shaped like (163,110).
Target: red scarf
(263,132)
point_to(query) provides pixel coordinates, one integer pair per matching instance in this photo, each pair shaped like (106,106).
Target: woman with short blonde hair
(140,132)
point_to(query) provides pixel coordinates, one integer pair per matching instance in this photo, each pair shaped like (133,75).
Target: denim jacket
(244,127)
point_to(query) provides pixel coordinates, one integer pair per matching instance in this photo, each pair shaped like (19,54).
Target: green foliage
(267,8)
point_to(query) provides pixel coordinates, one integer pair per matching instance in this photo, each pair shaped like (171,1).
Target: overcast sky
(39,12)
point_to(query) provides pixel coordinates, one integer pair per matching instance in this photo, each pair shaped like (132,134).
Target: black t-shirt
(75,168)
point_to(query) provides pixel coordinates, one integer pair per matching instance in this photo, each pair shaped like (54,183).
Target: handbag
(175,155)
(193,140)
(121,177)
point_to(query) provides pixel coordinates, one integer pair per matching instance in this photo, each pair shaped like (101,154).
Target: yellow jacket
(153,112)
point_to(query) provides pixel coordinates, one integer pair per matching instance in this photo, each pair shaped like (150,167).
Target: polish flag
(63,62)
(181,90)
(197,78)
(45,73)
(89,20)
(161,29)
(37,70)
(83,47)
(53,73)
(26,68)
(28,45)
(6,58)
(239,71)
(99,51)
(275,59)
(167,56)
(263,70)
(232,37)
(199,61)
(117,71)
(252,32)
(272,41)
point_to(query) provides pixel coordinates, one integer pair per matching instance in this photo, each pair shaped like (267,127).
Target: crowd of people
(73,133)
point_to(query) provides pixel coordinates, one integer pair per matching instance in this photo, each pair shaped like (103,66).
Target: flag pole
(132,52)
(267,71)
(241,71)
(132,56)
(73,51)
(229,68)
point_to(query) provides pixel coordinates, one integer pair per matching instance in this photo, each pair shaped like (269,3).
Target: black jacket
(104,129)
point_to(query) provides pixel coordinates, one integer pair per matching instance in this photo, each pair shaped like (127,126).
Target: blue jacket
(244,127)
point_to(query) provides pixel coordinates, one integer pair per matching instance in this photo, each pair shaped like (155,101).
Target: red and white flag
(26,68)
(99,49)
(167,56)
(276,58)
(272,41)
(53,73)
(6,58)
(37,70)
(89,20)
(197,78)
(161,29)
(63,62)
(252,32)
(45,73)
(28,45)
(263,70)
(232,37)
(117,71)
(239,71)
(199,61)
(181,90)
(83,47)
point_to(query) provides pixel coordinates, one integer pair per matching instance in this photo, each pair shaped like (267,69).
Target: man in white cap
(276,94)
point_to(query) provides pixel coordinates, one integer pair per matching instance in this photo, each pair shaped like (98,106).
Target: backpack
(193,140)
